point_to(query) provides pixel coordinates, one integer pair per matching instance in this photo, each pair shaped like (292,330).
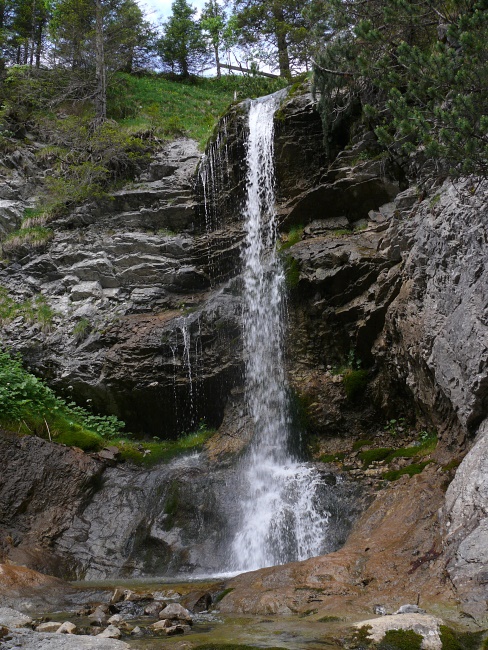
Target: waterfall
(279,498)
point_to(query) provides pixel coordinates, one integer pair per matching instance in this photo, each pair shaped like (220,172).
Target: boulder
(426,626)
(175,611)
(67,628)
(49,626)
(11,618)
(111,632)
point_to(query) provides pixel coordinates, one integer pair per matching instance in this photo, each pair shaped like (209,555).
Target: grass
(30,407)
(189,107)
(291,238)
(32,237)
(32,310)
(88,163)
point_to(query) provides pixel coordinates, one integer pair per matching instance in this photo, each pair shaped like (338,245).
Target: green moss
(222,595)
(355,382)
(359,444)
(452,465)
(401,640)
(332,458)
(409,470)
(374,455)
(292,272)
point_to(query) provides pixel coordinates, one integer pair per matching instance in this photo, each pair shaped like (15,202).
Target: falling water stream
(280,515)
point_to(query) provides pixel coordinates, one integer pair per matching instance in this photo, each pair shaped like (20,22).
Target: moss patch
(375,455)
(409,470)
(355,382)
(401,640)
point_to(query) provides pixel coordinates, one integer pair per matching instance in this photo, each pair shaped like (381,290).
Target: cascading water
(281,519)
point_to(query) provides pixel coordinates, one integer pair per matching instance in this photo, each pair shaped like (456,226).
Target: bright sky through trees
(156,8)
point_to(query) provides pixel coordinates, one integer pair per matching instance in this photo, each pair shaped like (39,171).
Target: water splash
(281,516)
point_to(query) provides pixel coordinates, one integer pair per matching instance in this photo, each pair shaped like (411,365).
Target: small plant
(292,272)
(291,238)
(395,427)
(82,329)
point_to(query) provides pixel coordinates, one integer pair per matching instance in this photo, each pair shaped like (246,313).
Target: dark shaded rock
(197,601)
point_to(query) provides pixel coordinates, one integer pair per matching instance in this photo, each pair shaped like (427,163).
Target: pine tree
(182,47)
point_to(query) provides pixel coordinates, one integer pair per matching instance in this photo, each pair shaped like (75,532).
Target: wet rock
(197,601)
(154,608)
(426,626)
(116,618)
(162,625)
(98,616)
(117,596)
(174,629)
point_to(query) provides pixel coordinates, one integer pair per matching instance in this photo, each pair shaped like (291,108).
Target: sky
(155,9)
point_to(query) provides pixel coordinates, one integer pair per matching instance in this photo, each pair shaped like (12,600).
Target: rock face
(137,315)
(386,280)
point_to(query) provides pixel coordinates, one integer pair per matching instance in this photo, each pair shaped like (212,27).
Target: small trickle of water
(281,516)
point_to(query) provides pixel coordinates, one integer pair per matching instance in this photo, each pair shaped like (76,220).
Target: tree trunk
(217,60)
(100,71)
(283,58)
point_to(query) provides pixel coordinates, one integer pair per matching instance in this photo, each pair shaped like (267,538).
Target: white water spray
(280,519)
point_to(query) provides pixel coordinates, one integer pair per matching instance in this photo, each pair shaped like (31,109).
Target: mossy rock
(401,640)
(355,382)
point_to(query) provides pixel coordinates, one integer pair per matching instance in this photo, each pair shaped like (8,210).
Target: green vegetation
(222,595)
(292,272)
(355,383)
(329,619)
(291,238)
(453,640)
(409,470)
(359,444)
(35,309)
(375,455)
(32,237)
(82,329)
(28,406)
(416,73)
(332,458)
(401,640)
